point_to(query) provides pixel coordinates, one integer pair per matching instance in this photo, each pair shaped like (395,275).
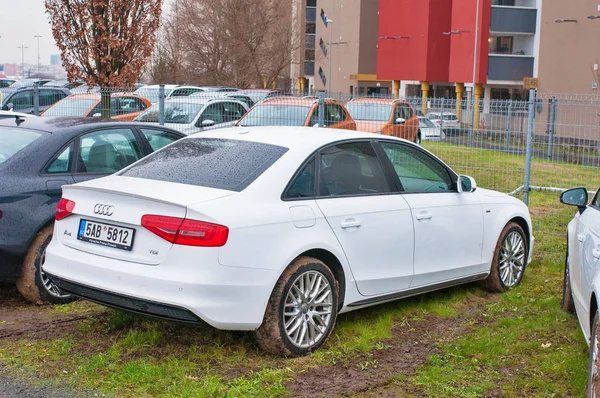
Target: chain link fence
(532,149)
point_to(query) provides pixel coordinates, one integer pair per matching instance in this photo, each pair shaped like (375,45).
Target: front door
(448,225)
(373,225)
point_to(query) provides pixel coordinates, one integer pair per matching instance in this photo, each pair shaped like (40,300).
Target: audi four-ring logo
(104,210)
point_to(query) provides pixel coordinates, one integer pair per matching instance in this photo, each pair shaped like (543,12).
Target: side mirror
(316,125)
(97,115)
(575,197)
(207,123)
(400,120)
(466,184)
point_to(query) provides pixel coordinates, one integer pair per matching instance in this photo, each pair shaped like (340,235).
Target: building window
(323,47)
(311,28)
(322,75)
(501,45)
(503,2)
(309,55)
(309,41)
(309,68)
(311,3)
(311,14)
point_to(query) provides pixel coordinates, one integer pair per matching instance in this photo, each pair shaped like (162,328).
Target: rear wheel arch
(334,264)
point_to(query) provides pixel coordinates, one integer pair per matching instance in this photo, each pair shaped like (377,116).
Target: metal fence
(532,149)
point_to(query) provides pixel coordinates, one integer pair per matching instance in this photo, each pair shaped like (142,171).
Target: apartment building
(344,40)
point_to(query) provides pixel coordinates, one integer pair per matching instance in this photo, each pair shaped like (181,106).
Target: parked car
(85,89)
(229,94)
(279,229)
(386,116)
(429,131)
(196,113)
(22,100)
(151,91)
(122,106)
(62,84)
(37,157)
(5,82)
(581,284)
(449,122)
(24,83)
(294,111)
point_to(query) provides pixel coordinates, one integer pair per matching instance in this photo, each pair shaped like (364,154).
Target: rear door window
(61,162)
(159,138)
(107,151)
(12,140)
(209,162)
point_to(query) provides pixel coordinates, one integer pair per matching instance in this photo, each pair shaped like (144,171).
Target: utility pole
(22,47)
(38,53)
(329,21)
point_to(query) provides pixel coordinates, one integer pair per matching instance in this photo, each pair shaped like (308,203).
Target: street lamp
(329,21)
(22,47)
(38,37)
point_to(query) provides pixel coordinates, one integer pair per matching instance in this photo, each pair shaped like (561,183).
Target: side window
(61,163)
(159,138)
(407,110)
(398,113)
(351,169)
(107,151)
(303,185)
(22,100)
(334,114)
(213,112)
(233,111)
(417,170)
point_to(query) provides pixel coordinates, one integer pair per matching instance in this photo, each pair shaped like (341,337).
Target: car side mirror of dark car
(575,197)
(466,184)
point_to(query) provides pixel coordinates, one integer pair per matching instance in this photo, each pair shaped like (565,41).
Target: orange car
(122,106)
(387,116)
(294,111)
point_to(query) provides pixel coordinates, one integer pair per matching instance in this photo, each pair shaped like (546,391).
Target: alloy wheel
(50,287)
(307,312)
(512,259)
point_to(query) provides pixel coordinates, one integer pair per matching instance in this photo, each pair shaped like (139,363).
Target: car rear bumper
(224,297)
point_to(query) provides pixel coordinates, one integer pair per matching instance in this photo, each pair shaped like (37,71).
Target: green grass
(526,347)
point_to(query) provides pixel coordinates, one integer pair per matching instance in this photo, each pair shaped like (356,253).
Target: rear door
(372,223)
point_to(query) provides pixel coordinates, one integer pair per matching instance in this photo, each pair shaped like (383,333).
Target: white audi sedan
(280,229)
(581,284)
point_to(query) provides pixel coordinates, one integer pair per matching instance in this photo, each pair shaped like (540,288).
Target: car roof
(292,101)
(387,101)
(167,86)
(310,137)
(69,125)
(97,96)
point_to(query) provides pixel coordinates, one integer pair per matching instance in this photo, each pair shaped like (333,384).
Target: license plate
(105,234)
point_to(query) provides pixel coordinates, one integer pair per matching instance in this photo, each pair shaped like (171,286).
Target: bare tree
(106,43)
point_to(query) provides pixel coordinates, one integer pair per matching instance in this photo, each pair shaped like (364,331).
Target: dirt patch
(410,346)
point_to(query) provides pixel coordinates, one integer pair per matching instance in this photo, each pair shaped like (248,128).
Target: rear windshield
(12,140)
(208,162)
(369,111)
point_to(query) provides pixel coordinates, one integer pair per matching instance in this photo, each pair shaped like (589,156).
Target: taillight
(182,231)
(64,208)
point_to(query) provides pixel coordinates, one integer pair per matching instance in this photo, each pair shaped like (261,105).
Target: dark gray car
(37,157)
(22,100)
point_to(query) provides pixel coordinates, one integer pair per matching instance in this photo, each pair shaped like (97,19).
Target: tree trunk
(105,102)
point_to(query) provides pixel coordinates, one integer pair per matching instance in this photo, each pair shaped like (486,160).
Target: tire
(33,284)
(567,304)
(303,334)
(510,259)
(593,383)
(418,138)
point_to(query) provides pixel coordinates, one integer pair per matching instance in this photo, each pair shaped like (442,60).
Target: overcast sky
(20,21)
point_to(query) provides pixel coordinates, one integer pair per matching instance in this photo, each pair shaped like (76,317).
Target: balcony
(509,67)
(520,20)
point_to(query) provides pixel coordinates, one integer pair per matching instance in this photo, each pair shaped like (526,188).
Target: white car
(581,286)
(429,131)
(449,121)
(279,229)
(194,114)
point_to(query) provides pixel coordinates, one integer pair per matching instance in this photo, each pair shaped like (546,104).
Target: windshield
(208,162)
(151,93)
(175,112)
(426,123)
(276,115)
(379,112)
(71,107)
(12,140)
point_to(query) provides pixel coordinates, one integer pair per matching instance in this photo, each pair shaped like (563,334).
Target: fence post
(551,127)
(161,104)
(442,119)
(529,147)
(321,109)
(36,100)
(508,125)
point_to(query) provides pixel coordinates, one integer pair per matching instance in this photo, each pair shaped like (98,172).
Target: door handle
(350,223)
(424,216)
(580,237)
(596,253)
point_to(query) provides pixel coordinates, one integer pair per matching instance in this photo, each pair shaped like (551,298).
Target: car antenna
(19,119)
